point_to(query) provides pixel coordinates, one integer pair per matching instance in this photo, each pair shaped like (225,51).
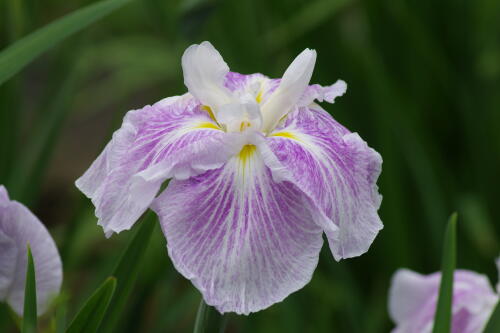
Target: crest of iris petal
(259,171)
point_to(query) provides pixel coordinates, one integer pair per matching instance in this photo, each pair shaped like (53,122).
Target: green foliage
(89,317)
(126,271)
(442,318)
(208,319)
(493,325)
(21,53)
(423,81)
(29,312)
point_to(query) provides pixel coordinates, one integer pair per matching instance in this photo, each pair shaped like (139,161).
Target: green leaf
(60,318)
(22,52)
(89,317)
(493,325)
(29,312)
(442,319)
(306,19)
(127,269)
(208,319)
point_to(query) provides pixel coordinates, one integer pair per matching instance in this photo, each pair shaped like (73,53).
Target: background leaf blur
(423,81)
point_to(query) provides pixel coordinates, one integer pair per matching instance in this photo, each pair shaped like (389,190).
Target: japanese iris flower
(413,298)
(259,171)
(18,228)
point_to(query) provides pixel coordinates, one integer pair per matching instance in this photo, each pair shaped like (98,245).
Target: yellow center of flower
(244,125)
(246,153)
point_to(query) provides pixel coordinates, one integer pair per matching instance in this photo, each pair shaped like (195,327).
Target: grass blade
(493,325)
(89,317)
(209,320)
(442,319)
(200,317)
(127,269)
(22,52)
(29,312)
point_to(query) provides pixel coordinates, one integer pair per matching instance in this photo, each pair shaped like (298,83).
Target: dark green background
(423,89)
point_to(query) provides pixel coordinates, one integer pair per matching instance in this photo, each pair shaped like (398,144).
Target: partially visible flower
(18,228)
(259,172)
(413,298)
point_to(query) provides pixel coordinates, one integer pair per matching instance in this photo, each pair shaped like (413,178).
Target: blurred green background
(423,89)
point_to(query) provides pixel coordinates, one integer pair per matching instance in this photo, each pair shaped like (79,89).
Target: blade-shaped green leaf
(29,312)
(442,319)
(89,317)
(22,52)
(493,325)
(127,269)
(209,320)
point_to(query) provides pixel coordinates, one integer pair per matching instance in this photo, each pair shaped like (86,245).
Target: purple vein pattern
(258,172)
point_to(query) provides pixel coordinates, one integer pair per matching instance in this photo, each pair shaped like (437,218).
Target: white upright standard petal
(204,73)
(292,86)
(18,227)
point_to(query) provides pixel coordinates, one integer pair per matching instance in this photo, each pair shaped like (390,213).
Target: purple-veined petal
(172,138)
(8,259)
(413,298)
(292,86)
(497,262)
(410,292)
(18,227)
(245,239)
(338,171)
(320,93)
(204,75)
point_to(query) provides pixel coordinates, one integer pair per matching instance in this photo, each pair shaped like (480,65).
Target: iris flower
(18,228)
(413,298)
(258,172)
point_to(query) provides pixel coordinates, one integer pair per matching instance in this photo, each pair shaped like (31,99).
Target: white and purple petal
(322,94)
(413,298)
(172,138)
(338,171)
(245,240)
(18,228)
(204,75)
